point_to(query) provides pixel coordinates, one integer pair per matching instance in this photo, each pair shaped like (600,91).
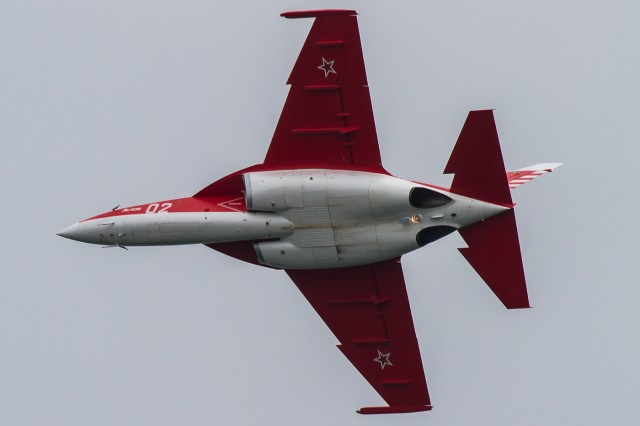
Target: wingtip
(542,167)
(295,14)
(394,409)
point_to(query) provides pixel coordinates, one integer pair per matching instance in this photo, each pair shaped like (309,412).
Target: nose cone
(72,232)
(96,231)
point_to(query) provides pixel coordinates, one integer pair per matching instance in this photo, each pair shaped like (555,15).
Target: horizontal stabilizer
(494,252)
(519,177)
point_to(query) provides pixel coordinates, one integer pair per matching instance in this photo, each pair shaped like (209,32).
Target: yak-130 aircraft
(322,207)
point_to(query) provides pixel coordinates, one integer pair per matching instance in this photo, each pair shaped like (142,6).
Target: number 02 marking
(158,208)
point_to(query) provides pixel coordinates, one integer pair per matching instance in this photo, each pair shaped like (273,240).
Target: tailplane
(493,246)
(519,177)
(494,252)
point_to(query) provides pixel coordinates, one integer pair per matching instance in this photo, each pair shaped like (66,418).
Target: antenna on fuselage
(116,245)
(115,208)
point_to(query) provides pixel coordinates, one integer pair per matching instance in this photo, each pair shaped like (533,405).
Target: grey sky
(122,102)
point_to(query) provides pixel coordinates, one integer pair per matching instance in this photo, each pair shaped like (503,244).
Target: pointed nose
(71,232)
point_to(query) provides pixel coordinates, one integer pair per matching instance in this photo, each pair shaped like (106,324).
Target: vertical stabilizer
(493,246)
(477,161)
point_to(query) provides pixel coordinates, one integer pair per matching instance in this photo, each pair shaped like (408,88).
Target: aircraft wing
(327,120)
(367,309)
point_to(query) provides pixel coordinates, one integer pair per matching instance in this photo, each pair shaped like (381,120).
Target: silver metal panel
(318,237)
(314,198)
(312,227)
(309,216)
(394,238)
(179,227)
(326,257)
(203,227)
(265,192)
(357,243)
(353,211)
(293,190)
(349,184)
(284,255)
(389,198)
(314,181)
(342,218)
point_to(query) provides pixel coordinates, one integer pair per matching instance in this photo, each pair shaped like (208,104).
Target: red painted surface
(327,120)
(394,410)
(228,185)
(494,252)
(367,309)
(227,203)
(242,250)
(232,184)
(477,161)
(317,13)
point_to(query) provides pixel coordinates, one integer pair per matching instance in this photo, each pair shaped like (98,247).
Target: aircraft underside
(302,219)
(322,207)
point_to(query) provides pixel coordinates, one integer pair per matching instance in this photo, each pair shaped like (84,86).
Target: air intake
(429,235)
(424,198)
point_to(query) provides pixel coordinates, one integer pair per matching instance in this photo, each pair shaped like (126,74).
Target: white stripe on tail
(519,177)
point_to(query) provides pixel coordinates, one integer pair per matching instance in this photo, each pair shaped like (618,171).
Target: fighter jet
(323,208)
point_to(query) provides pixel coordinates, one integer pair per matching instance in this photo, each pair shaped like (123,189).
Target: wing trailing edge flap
(494,252)
(367,309)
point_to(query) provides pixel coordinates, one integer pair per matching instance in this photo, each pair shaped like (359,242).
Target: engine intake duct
(424,198)
(433,233)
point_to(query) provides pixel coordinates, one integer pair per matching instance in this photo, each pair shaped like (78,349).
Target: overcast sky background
(123,102)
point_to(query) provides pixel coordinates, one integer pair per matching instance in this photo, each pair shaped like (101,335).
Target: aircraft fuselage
(298,219)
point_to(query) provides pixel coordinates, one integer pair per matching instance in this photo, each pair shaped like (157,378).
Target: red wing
(327,120)
(367,309)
